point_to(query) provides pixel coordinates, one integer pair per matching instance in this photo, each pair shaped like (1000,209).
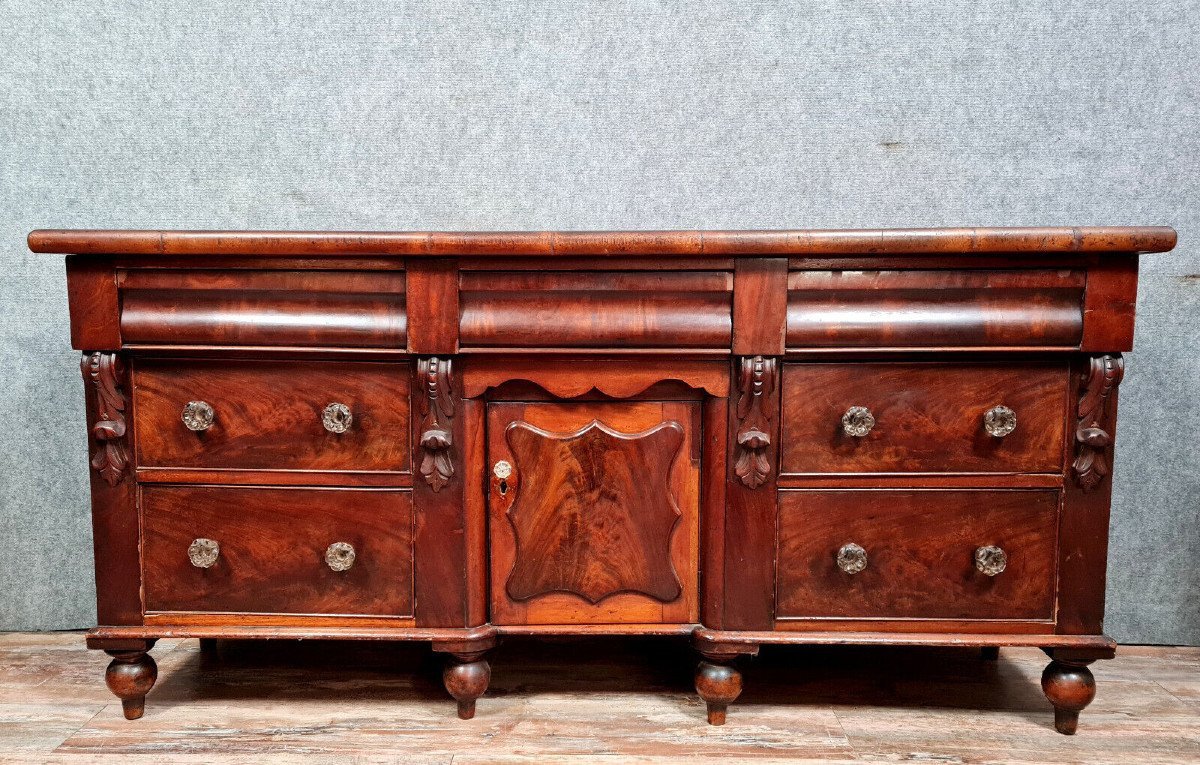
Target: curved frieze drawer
(924,417)
(271,415)
(684,309)
(293,551)
(930,554)
(262,308)
(935,309)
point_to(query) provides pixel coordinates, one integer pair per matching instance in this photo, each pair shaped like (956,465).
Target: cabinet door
(593,512)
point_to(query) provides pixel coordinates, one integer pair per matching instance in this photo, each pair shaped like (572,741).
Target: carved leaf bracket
(105,371)
(756,411)
(1093,431)
(437,412)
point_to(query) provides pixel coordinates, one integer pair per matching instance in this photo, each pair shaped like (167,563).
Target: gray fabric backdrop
(514,115)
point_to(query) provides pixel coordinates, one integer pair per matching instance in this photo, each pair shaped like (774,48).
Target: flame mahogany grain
(920,547)
(928,417)
(272,550)
(268,415)
(598,521)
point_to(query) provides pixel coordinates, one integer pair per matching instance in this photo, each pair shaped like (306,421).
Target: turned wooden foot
(718,684)
(466,677)
(1070,687)
(131,675)
(989,653)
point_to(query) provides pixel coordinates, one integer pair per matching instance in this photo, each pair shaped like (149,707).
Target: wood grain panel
(268,414)
(433,317)
(95,305)
(264,308)
(595,514)
(759,306)
(668,310)
(903,309)
(920,548)
(598,521)
(272,548)
(1109,304)
(928,417)
(911,320)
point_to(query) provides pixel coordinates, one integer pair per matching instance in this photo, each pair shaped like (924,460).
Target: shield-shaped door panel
(593,512)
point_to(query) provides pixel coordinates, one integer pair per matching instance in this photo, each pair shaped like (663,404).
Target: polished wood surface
(670,407)
(631,700)
(923,309)
(920,548)
(272,550)
(597,521)
(659,244)
(268,415)
(929,417)
(682,310)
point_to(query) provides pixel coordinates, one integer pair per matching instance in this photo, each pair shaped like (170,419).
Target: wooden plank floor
(595,700)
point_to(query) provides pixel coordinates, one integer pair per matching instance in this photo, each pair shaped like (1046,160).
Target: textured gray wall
(495,115)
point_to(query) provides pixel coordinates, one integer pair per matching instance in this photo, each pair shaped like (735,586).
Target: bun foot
(1070,687)
(131,675)
(718,685)
(466,677)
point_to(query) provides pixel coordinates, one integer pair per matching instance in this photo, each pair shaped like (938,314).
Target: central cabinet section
(593,512)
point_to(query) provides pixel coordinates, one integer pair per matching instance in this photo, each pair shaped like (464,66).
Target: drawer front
(272,547)
(679,309)
(919,549)
(263,308)
(927,417)
(935,309)
(270,415)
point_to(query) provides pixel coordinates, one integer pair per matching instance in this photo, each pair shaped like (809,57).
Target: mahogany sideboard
(778,437)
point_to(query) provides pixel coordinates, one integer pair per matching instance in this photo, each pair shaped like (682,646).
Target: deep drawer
(341,309)
(679,309)
(919,548)
(935,309)
(271,415)
(271,549)
(927,417)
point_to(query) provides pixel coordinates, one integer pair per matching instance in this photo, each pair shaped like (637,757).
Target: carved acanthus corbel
(756,416)
(1093,430)
(437,411)
(105,371)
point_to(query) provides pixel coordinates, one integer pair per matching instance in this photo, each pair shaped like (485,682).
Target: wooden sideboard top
(656,244)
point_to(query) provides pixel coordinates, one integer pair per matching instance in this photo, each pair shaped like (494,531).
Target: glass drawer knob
(990,560)
(1000,421)
(337,418)
(198,415)
(858,421)
(203,553)
(852,558)
(339,556)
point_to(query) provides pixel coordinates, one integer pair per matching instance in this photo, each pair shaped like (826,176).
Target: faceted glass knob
(852,558)
(339,556)
(203,553)
(990,560)
(198,415)
(1000,421)
(858,421)
(337,418)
